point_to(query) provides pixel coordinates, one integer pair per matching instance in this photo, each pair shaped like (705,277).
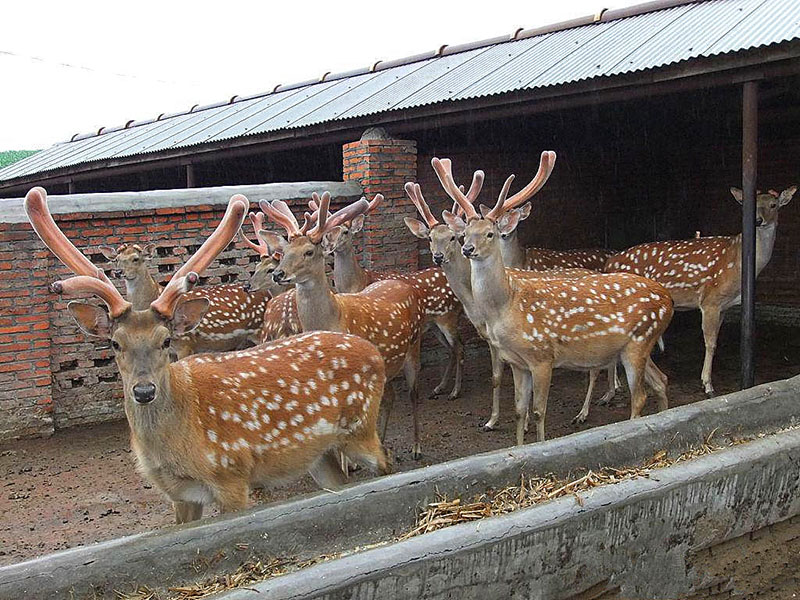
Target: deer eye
(772,205)
(309,253)
(166,343)
(490,235)
(270,270)
(115,346)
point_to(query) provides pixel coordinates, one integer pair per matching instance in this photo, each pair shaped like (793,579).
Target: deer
(387,313)
(234,317)
(578,324)
(705,273)
(208,427)
(446,252)
(516,256)
(440,305)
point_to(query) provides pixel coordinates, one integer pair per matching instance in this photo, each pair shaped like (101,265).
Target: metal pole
(749,168)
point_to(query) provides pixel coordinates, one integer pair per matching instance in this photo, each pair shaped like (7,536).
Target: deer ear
(508,222)
(786,195)
(418,228)
(92,320)
(109,252)
(275,241)
(331,238)
(188,315)
(737,193)
(485,210)
(357,224)
(524,211)
(456,224)
(148,250)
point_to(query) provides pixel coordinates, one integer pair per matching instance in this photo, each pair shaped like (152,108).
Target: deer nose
(117,273)
(144,393)
(438,258)
(246,286)
(468,250)
(759,221)
(277,275)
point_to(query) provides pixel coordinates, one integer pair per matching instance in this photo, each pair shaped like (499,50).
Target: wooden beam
(749,171)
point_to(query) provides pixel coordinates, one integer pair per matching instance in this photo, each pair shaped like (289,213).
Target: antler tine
(443,169)
(348,213)
(476,186)
(546,164)
(414,192)
(308,220)
(501,199)
(89,278)
(257,220)
(187,275)
(288,223)
(45,227)
(375,202)
(323,214)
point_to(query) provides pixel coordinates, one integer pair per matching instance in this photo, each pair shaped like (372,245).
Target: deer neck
(490,288)
(348,274)
(765,241)
(458,273)
(142,290)
(317,308)
(512,252)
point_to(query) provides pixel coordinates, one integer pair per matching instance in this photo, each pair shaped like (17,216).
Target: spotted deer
(261,280)
(440,305)
(234,317)
(517,256)
(446,252)
(705,272)
(578,324)
(206,428)
(387,313)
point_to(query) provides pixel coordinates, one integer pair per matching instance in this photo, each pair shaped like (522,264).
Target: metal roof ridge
(602,16)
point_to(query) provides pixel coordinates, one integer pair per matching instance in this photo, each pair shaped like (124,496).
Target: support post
(190,176)
(749,169)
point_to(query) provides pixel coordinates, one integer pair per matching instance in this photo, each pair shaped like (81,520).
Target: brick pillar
(381,164)
(26,399)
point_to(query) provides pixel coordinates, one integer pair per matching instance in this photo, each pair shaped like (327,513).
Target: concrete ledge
(379,509)
(11,210)
(632,538)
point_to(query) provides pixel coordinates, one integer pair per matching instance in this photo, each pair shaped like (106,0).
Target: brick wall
(384,165)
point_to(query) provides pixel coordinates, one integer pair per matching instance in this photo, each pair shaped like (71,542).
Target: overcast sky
(73,67)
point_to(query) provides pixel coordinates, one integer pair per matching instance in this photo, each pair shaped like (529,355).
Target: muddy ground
(79,486)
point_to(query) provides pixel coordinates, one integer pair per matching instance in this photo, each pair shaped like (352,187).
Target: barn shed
(655,111)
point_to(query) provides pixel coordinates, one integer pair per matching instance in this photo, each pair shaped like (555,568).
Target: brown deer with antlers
(387,313)
(579,324)
(206,428)
(440,305)
(235,314)
(446,252)
(706,272)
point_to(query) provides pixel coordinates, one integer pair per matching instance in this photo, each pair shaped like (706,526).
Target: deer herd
(233,386)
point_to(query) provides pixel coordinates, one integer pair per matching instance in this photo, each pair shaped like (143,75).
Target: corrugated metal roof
(602,49)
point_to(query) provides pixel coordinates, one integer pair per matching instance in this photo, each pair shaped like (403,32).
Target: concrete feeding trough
(606,541)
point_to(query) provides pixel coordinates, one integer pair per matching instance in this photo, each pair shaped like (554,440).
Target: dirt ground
(79,486)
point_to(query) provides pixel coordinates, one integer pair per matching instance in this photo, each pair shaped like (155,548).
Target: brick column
(26,400)
(381,164)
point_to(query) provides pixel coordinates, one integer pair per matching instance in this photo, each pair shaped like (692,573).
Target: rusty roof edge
(603,15)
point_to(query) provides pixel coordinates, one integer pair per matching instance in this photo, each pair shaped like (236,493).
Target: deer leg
(581,416)
(497,379)
(541,373)
(411,368)
(657,380)
(327,472)
(448,327)
(186,512)
(233,495)
(442,337)
(613,385)
(387,403)
(711,321)
(522,398)
(634,361)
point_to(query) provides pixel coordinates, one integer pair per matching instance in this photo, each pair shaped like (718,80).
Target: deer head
(443,241)
(140,338)
(768,205)
(340,239)
(270,256)
(129,261)
(482,232)
(303,253)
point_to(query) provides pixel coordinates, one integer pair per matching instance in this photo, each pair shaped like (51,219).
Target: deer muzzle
(144,393)
(468,250)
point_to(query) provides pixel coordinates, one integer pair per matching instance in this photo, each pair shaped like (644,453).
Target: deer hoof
(579,418)
(416,453)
